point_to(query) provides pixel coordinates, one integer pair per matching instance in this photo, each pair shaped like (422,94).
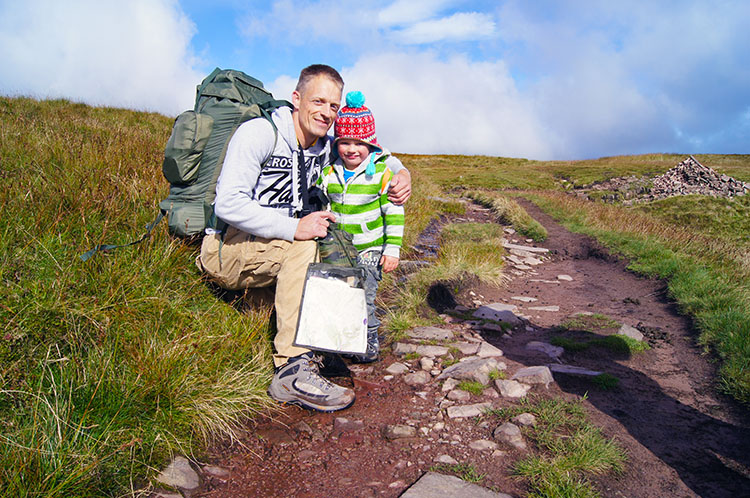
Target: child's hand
(388,263)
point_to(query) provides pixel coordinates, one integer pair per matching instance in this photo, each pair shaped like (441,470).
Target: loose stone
(534,375)
(458,395)
(510,434)
(565,278)
(447,459)
(482,445)
(179,474)
(397,368)
(511,388)
(464,411)
(631,332)
(399,431)
(524,419)
(426,363)
(417,378)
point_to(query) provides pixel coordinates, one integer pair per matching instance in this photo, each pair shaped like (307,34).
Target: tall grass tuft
(511,212)
(110,366)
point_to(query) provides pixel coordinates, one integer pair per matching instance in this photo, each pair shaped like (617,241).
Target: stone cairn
(691,177)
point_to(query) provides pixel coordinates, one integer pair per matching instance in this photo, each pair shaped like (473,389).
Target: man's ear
(296,98)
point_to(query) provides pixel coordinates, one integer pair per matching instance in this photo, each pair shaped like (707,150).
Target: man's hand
(314,225)
(400,189)
(388,263)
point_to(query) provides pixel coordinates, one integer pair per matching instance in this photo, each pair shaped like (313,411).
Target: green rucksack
(195,151)
(196,148)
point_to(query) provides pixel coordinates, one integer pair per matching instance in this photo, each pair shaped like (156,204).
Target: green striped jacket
(362,207)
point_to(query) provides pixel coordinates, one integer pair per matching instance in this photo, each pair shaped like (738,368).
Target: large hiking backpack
(196,148)
(195,151)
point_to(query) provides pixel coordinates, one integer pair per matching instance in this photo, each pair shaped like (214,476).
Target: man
(260,194)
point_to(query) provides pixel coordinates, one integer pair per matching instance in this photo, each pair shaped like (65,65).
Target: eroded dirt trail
(682,438)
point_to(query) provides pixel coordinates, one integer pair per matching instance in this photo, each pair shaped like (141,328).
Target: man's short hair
(314,70)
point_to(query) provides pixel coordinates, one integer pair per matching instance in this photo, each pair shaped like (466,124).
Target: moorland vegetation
(109,367)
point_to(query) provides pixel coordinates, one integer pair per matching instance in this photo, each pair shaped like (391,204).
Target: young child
(357,186)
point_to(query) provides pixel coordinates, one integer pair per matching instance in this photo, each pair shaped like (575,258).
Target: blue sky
(566,79)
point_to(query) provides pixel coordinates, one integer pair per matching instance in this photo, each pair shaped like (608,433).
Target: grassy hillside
(109,366)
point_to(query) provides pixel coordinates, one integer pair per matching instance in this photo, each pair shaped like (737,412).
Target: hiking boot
(299,383)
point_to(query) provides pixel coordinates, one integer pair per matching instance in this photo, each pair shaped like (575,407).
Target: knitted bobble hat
(355,121)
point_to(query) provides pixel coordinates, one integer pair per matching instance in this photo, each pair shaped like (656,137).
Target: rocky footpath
(419,421)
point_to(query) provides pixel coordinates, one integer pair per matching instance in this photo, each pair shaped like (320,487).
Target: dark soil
(682,437)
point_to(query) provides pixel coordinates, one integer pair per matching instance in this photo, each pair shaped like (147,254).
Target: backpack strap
(108,247)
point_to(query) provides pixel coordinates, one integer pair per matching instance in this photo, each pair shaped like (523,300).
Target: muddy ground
(682,437)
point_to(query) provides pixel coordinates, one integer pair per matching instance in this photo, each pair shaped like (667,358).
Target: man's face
(317,103)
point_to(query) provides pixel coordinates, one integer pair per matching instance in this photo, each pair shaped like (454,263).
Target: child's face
(352,152)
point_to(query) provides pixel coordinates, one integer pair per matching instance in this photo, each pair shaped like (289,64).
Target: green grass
(605,381)
(464,471)
(471,386)
(110,366)
(569,449)
(589,323)
(616,343)
(496,374)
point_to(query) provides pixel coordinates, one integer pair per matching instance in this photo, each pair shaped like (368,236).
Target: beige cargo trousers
(246,261)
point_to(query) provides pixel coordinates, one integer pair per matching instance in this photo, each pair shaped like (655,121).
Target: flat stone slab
(179,474)
(404,348)
(565,278)
(545,308)
(572,370)
(487,350)
(546,348)
(435,485)
(538,250)
(524,299)
(431,351)
(464,411)
(534,375)
(483,445)
(429,333)
(467,348)
(500,312)
(472,368)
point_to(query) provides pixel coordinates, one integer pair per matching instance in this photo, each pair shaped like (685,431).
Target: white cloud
(131,54)
(423,104)
(462,26)
(410,11)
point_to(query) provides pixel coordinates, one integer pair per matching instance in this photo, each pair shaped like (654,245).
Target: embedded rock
(534,375)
